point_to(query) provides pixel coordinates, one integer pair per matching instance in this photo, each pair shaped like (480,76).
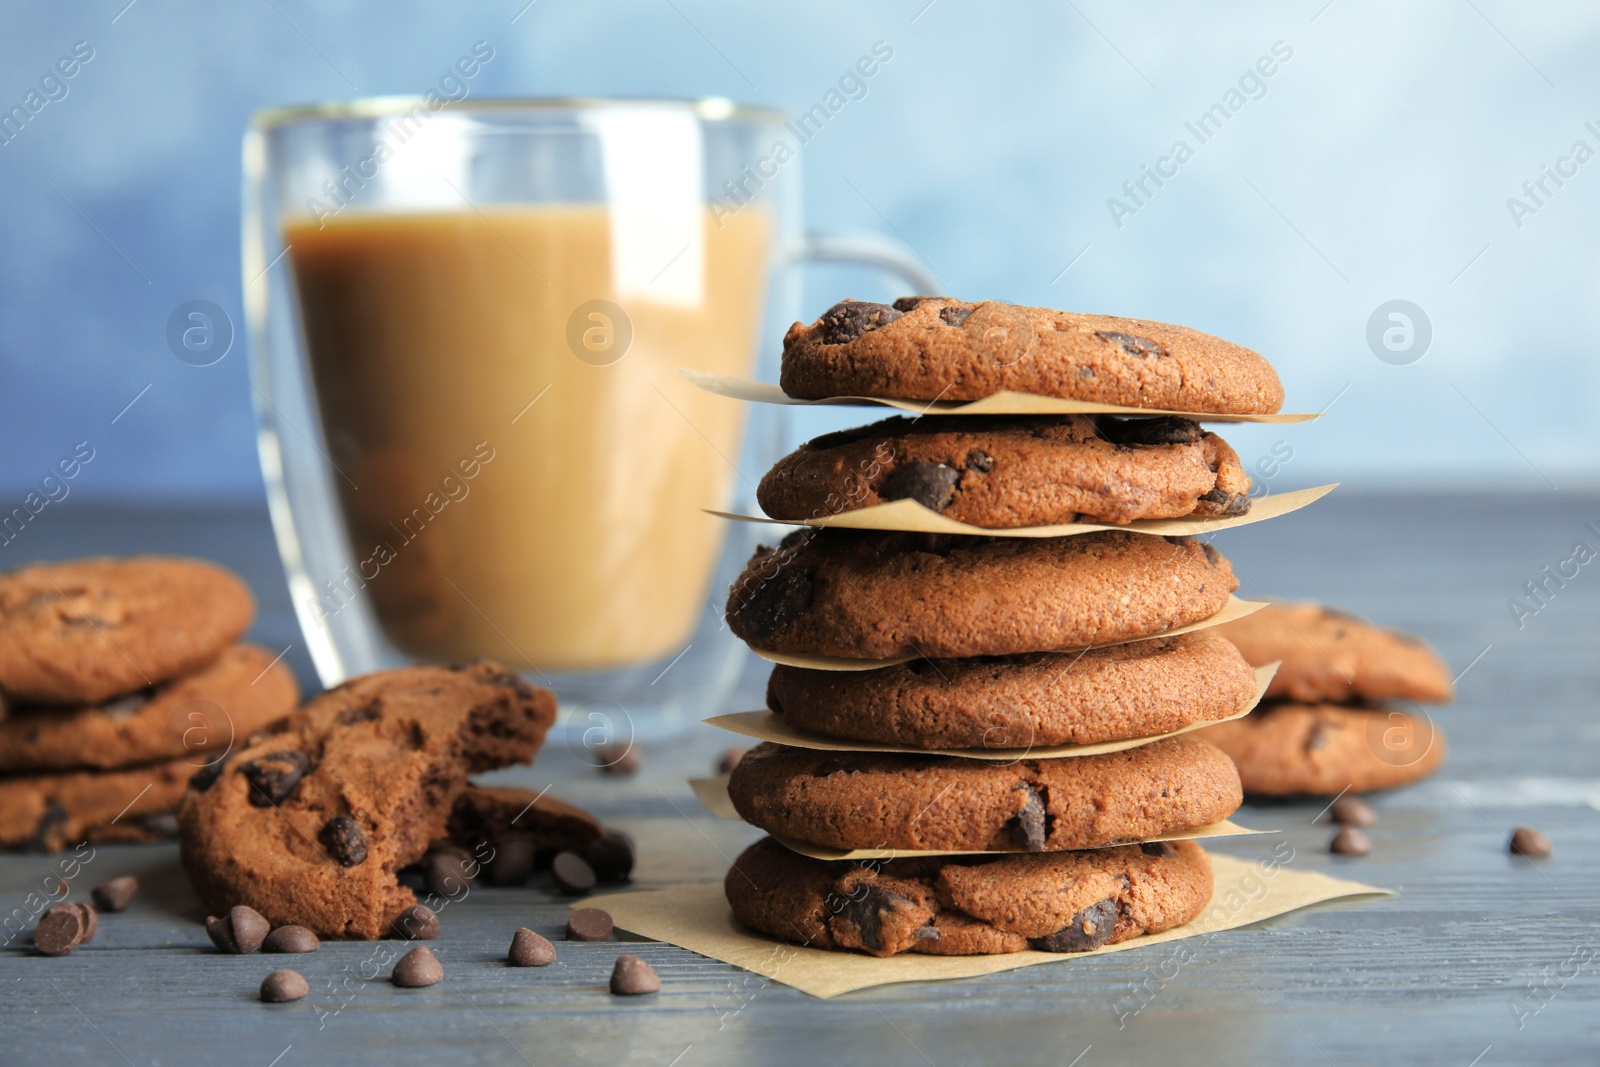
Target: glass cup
(466,324)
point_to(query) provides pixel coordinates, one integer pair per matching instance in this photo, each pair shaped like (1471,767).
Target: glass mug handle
(880,253)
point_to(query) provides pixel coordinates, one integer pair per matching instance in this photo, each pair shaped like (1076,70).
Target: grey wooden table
(1482,958)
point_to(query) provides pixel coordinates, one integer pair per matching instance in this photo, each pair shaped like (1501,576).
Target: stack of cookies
(119,679)
(1329,724)
(931,651)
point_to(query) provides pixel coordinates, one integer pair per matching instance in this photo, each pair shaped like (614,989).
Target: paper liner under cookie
(1233,609)
(1005,402)
(770,726)
(698,918)
(1225,828)
(912,517)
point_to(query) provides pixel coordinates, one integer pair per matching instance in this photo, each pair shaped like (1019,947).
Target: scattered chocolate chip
(1350,842)
(344,840)
(91,921)
(1155,848)
(291,939)
(219,933)
(513,860)
(1089,929)
(1139,347)
(1028,825)
(419,967)
(283,985)
(730,758)
(620,761)
(416,923)
(979,460)
(1351,810)
(1231,503)
(241,931)
(1526,841)
(273,777)
(1164,430)
(589,924)
(775,603)
(115,894)
(572,873)
(911,303)
(849,319)
(954,315)
(450,870)
(632,977)
(864,907)
(528,949)
(60,930)
(611,856)
(933,485)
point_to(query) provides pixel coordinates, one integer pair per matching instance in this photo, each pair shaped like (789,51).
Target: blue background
(1376,165)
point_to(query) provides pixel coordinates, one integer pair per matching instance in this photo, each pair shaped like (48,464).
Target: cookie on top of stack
(958,645)
(1324,726)
(119,678)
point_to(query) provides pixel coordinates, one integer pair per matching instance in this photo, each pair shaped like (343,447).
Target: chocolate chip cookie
(230,698)
(89,630)
(870,595)
(936,348)
(1331,657)
(47,812)
(309,823)
(970,905)
(1323,749)
(494,815)
(1000,473)
(877,800)
(1044,698)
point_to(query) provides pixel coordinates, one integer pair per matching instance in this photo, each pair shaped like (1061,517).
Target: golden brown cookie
(935,348)
(1139,689)
(85,631)
(225,701)
(1000,473)
(1331,657)
(54,811)
(1323,749)
(869,595)
(853,800)
(309,823)
(970,905)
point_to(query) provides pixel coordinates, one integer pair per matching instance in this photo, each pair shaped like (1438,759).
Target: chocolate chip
(1155,848)
(1213,557)
(419,967)
(416,923)
(115,894)
(773,605)
(589,924)
(1231,503)
(933,485)
(273,777)
(368,712)
(864,908)
(450,870)
(1139,347)
(60,930)
(979,460)
(91,920)
(620,761)
(291,939)
(611,856)
(241,931)
(1352,811)
(730,758)
(1028,825)
(849,319)
(1350,842)
(1089,929)
(1165,430)
(954,315)
(344,840)
(513,860)
(836,765)
(911,303)
(632,977)
(572,873)
(207,776)
(282,986)
(219,933)
(1526,841)
(528,949)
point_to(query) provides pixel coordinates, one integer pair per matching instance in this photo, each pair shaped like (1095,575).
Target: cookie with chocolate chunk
(970,905)
(48,812)
(1000,473)
(310,822)
(855,800)
(228,699)
(936,348)
(1138,689)
(1331,657)
(1324,749)
(872,595)
(85,631)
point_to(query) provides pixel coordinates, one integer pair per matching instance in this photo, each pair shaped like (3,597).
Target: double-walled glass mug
(466,325)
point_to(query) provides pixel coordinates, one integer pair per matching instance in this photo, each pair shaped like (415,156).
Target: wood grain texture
(1480,951)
